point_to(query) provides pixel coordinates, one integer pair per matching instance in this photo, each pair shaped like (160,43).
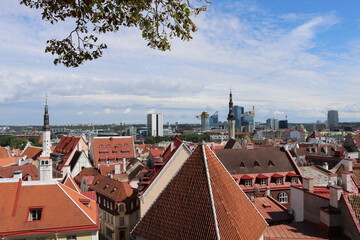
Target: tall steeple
(46,135)
(231,118)
(46,126)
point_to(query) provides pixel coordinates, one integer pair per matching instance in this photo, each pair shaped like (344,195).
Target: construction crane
(204,121)
(203,115)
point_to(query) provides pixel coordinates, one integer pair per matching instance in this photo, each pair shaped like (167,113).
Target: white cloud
(80,113)
(108,111)
(127,110)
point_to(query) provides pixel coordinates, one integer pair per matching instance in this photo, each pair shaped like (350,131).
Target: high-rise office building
(214,120)
(155,124)
(272,123)
(333,119)
(283,124)
(239,116)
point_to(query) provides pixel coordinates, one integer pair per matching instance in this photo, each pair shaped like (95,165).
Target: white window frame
(283,197)
(248,182)
(279,180)
(35,214)
(263,181)
(294,180)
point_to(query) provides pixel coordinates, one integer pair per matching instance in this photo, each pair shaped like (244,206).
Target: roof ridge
(58,184)
(16,197)
(210,192)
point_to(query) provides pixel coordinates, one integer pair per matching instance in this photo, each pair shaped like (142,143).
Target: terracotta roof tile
(86,172)
(32,152)
(4,152)
(271,210)
(6,161)
(27,170)
(20,198)
(201,196)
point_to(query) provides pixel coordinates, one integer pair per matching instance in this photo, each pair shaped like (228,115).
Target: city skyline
(294,59)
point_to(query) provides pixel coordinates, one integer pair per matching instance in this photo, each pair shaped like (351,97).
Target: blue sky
(294,58)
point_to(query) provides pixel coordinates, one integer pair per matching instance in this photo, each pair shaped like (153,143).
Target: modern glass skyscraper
(239,116)
(333,119)
(214,120)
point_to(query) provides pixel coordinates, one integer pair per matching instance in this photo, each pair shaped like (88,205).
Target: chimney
(171,146)
(117,168)
(346,181)
(124,165)
(335,194)
(45,169)
(18,161)
(332,179)
(325,165)
(17,174)
(308,184)
(348,165)
(267,192)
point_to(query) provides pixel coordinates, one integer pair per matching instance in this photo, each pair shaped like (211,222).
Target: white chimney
(348,165)
(325,165)
(332,179)
(335,194)
(267,192)
(308,184)
(17,174)
(117,168)
(124,165)
(171,146)
(346,181)
(45,169)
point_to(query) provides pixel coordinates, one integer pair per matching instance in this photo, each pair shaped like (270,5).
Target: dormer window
(106,186)
(294,180)
(121,207)
(263,181)
(247,182)
(271,163)
(85,201)
(35,214)
(108,145)
(242,164)
(279,180)
(256,164)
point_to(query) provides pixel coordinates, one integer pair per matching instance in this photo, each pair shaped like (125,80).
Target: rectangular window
(279,181)
(294,180)
(122,221)
(247,182)
(109,232)
(73,237)
(35,214)
(263,181)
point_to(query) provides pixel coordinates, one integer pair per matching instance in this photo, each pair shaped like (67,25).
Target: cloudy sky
(294,58)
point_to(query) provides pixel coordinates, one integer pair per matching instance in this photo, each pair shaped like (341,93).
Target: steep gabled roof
(201,202)
(6,161)
(4,152)
(66,146)
(21,197)
(26,169)
(69,182)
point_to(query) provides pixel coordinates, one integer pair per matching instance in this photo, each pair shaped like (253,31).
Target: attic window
(242,164)
(114,189)
(97,182)
(35,214)
(85,201)
(126,145)
(271,163)
(101,146)
(256,164)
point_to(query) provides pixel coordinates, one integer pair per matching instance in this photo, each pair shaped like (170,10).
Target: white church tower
(46,135)
(231,119)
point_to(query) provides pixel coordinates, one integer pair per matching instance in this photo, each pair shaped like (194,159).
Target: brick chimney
(308,184)
(335,194)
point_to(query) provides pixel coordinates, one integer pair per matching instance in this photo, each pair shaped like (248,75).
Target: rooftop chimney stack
(17,174)
(117,168)
(346,181)
(124,165)
(335,194)
(348,165)
(308,184)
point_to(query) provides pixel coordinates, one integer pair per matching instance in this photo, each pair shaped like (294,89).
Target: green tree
(13,142)
(159,21)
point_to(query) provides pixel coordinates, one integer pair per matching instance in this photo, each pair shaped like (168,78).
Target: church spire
(46,126)
(231,118)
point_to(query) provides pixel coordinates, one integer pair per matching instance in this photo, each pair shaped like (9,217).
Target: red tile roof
(69,182)
(271,210)
(27,170)
(198,203)
(32,152)
(4,152)
(6,161)
(115,148)
(118,191)
(66,146)
(20,198)
(86,172)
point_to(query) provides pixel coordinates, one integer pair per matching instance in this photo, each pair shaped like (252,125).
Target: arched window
(283,197)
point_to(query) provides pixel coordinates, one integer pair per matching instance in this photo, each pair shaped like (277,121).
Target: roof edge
(211,193)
